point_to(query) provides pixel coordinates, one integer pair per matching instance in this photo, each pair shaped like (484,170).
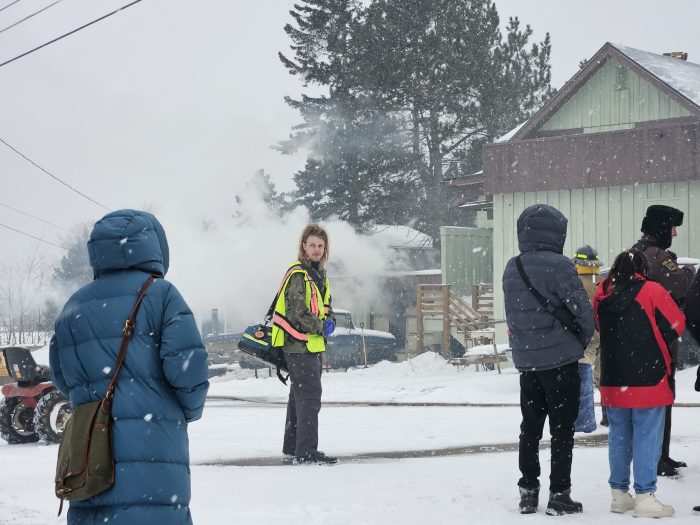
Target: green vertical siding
(466,257)
(603,105)
(607,218)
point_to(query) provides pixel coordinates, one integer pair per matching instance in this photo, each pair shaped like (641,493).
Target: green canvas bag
(85,465)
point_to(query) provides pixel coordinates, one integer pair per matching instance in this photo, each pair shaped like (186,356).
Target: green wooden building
(620,135)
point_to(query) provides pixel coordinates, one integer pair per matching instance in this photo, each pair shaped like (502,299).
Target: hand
(328,327)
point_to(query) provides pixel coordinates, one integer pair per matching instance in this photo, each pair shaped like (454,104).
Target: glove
(328,327)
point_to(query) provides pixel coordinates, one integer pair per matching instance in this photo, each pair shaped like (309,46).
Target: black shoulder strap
(561,313)
(546,303)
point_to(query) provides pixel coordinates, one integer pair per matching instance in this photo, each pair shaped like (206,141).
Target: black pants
(301,427)
(666,443)
(554,394)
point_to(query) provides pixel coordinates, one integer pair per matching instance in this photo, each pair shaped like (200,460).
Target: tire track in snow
(597,440)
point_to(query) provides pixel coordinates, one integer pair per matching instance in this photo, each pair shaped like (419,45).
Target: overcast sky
(173,104)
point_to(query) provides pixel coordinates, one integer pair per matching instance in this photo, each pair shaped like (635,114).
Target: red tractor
(31,409)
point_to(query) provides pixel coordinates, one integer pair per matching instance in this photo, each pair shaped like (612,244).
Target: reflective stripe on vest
(282,327)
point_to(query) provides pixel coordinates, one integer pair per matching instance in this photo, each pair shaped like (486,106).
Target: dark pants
(666,443)
(301,428)
(553,393)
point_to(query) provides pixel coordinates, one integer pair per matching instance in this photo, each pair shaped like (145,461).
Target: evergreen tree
(74,270)
(414,90)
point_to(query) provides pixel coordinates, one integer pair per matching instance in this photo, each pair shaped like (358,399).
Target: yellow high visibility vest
(282,328)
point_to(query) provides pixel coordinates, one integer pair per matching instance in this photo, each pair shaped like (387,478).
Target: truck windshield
(343,321)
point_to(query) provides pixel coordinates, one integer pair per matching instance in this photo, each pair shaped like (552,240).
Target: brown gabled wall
(654,152)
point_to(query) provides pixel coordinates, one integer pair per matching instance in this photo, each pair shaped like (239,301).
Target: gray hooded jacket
(538,340)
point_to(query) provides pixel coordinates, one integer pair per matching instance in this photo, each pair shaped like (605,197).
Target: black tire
(51,415)
(16,422)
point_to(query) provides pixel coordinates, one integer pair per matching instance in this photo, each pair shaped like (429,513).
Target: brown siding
(664,153)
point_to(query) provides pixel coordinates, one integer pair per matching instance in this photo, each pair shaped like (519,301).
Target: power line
(33,237)
(8,5)
(51,174)
(69,33)
(35,218)
(29,16)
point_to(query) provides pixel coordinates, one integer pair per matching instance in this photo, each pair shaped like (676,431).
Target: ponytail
(627,264)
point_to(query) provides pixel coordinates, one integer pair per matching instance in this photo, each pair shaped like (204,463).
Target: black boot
(664,468)
(529,499)
(315,458)
(560,503)
(676,464)
(604,420)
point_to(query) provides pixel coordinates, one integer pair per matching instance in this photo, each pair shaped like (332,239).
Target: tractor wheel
(52,413)
(16,421)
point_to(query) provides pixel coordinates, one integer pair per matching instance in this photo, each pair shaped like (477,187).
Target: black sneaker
(665,469)
(676,464)
(315,458)
(529,499)
(560,503)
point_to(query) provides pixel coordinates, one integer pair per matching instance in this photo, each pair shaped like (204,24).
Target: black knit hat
(659,221)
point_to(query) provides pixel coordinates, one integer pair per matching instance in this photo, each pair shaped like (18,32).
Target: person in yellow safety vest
(301,322)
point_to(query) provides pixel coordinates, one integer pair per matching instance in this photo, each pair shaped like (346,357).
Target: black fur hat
(660,220)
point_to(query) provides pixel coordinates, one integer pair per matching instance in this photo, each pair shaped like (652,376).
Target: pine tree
(357,158)
(414,90)
(73,269)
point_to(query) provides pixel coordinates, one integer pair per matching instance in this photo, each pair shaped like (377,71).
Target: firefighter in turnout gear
(659,228)
(588,267)
(302,320)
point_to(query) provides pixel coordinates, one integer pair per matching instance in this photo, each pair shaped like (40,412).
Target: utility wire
(35,218)
(30,16)
(8,5)
(33,237)
(52,175)
(69,33)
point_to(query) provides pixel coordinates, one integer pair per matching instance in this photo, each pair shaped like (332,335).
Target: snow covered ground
(440,489)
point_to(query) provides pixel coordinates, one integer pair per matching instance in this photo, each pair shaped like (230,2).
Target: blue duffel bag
(256,342)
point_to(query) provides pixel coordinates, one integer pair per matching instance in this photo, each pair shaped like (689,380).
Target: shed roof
(679,75)
(678,78)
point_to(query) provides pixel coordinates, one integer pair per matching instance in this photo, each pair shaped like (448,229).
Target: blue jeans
(635,437)
(585,422)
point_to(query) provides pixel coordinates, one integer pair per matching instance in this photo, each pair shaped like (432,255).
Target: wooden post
(419,321)
(475,297)
(495,350)
(446,322)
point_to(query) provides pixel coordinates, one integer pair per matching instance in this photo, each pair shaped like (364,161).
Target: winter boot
(676,464)
(315,458)
(622,501)
(696,508)
(647,506)
(560,503)
(529,499)
(664,468)
(604,419)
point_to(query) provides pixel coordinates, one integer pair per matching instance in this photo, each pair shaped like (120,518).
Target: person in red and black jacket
(638,320)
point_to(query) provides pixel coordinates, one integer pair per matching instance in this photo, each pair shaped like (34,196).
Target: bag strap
(128,330)
(271,310)
(560,313)
(546,303)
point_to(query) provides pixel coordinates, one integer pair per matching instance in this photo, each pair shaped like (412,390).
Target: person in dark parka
(162,385)
(545,352)
(692,312)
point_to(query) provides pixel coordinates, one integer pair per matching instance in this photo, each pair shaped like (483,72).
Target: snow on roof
(678,74)
(400,237)
(511,133)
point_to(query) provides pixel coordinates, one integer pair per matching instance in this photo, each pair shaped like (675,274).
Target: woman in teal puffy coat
(162,385)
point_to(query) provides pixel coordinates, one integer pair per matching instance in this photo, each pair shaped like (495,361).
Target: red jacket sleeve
(667,307)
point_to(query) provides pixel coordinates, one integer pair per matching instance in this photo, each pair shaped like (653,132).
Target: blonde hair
(316,231)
